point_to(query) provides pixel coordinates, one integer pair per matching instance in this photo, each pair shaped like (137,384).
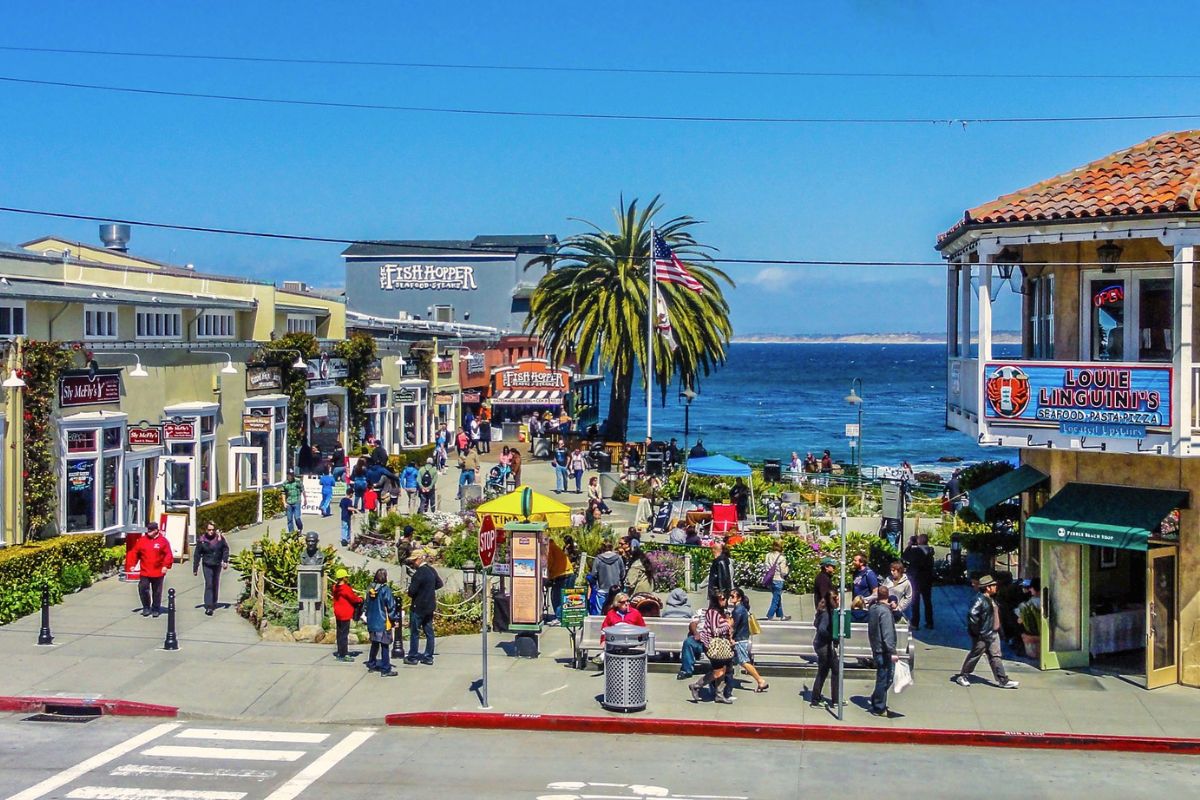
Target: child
(347,506)
(345,603)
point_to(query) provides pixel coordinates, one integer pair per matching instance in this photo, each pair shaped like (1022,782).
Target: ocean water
(771,399)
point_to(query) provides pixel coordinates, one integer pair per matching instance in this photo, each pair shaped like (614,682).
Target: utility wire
(963,121)
(294,237)
(749,73)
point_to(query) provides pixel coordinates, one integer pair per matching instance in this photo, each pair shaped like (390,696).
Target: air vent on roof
(295,286)
(115,237)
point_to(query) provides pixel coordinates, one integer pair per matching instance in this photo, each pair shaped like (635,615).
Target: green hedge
(237,509)
(416,457)
(24,569)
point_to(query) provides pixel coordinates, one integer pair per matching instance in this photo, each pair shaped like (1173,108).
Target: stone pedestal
(310,588)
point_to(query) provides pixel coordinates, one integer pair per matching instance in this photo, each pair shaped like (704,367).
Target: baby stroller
(649,605)
(499,482)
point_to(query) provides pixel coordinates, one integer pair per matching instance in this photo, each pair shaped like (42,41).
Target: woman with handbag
(774,576)
(743,626)
(381,611)
(716,634)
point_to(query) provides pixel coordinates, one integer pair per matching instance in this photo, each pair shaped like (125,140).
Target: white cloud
(773,278)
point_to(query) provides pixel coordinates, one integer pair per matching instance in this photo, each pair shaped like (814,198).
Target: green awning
(1104,516)
(1010,484)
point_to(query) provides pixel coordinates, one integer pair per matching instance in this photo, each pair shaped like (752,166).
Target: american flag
(669,268)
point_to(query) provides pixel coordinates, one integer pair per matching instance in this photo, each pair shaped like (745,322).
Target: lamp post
(470,577)
(687,395)
(855,398)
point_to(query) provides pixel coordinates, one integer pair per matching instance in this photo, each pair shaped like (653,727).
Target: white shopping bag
(903,677)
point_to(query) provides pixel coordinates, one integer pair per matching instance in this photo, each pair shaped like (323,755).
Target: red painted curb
(111,707)
(795,732)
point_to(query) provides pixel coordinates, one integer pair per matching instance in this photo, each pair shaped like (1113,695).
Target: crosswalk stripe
(123,793)
(322,764)
(231,753)
(98,760)
(144,770)
(252,736)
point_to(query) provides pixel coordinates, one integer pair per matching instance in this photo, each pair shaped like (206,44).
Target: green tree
(595,300)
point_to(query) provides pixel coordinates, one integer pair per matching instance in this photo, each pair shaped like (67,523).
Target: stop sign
(487,542)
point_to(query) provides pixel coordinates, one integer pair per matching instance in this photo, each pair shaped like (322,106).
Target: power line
(963,121)
(746,73)
(295,237)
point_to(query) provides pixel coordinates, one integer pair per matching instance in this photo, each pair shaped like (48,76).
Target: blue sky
(773,191)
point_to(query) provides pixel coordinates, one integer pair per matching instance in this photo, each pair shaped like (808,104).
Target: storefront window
(377,413)
(93,459)
(1108,319)
(202,447)
(1131,315)
(273,444)
(206,471)
(326,417)
(410,416)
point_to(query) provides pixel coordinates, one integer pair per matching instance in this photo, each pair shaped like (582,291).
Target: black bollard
(171,642)
(44,636)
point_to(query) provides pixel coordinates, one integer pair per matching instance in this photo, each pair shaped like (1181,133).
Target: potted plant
(1031,626)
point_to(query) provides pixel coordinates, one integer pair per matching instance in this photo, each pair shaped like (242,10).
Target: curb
(795,732)
(109,707)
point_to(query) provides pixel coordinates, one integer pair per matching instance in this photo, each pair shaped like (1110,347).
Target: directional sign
(487,541)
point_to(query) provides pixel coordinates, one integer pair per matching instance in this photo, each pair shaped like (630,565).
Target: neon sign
(1109,295)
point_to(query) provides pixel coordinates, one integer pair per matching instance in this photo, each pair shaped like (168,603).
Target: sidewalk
(224,671)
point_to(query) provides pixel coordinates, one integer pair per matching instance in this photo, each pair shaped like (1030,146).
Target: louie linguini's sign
(1093,400)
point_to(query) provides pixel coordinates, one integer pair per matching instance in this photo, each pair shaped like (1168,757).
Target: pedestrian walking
(720,572)
(293,495)
(153,558)
(716,633)
(427,486)
(774,575)
(918,558)
(826,648)
(408,480)
(211,553)
(823,583)
(348,511)
(560,458)
(577,465)
(742,648)
(983,626)
(358,481)
(881,633)
(327,483)
(422,591)
(345,607)
(468,462)
(381,616)
(485,435)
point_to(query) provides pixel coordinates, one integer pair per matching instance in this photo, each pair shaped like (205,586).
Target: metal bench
(778,640)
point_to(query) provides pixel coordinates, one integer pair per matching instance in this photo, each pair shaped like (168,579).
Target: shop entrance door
(175,489)
(246,472)
(1066,582)
(139,491)
(1162,624)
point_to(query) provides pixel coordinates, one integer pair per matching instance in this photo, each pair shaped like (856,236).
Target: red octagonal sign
(487,542)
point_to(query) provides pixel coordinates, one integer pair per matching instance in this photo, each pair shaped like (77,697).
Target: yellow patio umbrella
(541,509)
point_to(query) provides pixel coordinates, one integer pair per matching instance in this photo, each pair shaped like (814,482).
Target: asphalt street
(114,759)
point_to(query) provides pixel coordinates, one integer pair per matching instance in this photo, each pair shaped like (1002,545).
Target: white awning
(528,397)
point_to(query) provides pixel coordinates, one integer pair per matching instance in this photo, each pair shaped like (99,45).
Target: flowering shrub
(668,569)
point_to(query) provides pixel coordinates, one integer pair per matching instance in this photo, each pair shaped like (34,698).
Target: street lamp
(470,576)
(855,398)
(228,369)
(687,395)
(138,370)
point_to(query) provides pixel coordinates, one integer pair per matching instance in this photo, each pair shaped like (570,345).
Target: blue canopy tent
(721,466)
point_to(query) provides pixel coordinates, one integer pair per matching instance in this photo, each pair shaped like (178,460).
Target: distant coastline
(998,337)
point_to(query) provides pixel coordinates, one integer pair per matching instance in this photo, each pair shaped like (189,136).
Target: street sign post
(487,554)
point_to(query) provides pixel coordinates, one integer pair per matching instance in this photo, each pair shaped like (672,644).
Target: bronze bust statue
(312,556)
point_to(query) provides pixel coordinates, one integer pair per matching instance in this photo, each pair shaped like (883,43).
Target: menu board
(525,563)
(310,503)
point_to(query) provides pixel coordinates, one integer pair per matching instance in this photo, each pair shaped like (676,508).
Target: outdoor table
(699,517)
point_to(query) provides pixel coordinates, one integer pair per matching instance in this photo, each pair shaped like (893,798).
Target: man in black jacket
(918,561)
(720,572)
(983,625)
(422,589)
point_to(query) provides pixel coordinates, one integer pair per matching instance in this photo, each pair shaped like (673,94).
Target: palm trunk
(618,407)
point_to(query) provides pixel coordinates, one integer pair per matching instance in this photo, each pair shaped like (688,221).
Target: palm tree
(595,300)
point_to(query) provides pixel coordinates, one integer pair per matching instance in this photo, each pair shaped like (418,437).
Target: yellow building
(1102,399)
(170,411)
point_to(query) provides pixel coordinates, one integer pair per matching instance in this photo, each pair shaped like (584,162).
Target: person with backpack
(422,589)
(381,610)
(773,578)
(427,486)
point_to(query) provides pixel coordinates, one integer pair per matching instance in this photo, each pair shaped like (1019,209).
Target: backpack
(426,479)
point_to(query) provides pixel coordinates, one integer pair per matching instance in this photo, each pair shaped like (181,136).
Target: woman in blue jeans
(776,564)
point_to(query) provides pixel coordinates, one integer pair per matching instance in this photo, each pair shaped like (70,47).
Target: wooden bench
(778,640)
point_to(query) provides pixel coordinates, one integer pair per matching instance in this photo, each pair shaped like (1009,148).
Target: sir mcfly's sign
(426,276)
(1100,401)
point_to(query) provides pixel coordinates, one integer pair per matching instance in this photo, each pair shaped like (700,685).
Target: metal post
(841,667)
(44,636)
(484,630)
(171,642)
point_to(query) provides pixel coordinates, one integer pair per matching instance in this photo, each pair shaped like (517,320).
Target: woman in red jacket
(345,604)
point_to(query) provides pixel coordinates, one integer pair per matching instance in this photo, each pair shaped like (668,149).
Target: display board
(525,564)
(175,528)
(310,503)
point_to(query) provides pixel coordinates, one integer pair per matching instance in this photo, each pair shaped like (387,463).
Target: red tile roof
(1160,175)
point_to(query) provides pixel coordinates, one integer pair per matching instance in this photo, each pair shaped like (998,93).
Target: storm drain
(55,712)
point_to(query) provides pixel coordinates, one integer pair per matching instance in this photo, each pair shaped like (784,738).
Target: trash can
(603,460)
(772,470)
(627,649)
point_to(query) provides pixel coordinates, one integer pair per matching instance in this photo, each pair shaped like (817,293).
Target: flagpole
(650,345)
